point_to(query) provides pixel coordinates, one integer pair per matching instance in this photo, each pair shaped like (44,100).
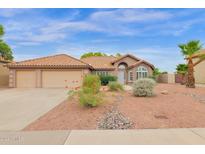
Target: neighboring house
(68,72)
(4,73)
(199,69)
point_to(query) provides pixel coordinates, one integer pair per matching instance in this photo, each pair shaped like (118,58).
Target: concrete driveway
(20,107)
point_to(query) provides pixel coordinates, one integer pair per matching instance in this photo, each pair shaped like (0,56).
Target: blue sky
(150,34)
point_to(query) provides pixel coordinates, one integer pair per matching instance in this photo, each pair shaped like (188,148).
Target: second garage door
(61,79)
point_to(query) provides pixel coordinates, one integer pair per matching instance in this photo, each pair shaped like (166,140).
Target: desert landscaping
(171,106)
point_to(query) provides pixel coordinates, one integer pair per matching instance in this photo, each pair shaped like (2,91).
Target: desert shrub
(71,94)
(106,79)
(143,87)
(115,86)
(92,82)
(88,98)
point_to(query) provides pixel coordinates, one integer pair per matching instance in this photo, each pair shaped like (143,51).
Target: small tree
(91,54)
(5,50)
(156,73)
(188,50)
(1,31)
(118,55)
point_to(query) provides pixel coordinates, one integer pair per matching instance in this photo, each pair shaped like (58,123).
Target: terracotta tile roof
(198,54)
(140,62)
(100,62)
(61,60)
(127,55)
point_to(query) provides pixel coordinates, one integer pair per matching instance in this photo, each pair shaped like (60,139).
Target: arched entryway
(122,67)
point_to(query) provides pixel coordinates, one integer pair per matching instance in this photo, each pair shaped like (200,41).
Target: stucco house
(67,72)
(199,69)
(4,73)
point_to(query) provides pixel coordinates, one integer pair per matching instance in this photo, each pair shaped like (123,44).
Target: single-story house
(199,69)
(65,71)
(4,73)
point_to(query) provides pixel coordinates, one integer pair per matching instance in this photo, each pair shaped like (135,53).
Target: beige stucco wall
(4,76)
(199,72)
(130,61)
(38,76)
(166,78)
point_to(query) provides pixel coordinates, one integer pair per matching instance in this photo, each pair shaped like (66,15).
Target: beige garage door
(61,79)
(25,79)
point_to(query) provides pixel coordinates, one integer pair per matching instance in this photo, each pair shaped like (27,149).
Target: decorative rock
(165,92)
(104,88)
(115,120)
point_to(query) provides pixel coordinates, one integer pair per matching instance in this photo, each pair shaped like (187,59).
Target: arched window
(121,66)
(142,72)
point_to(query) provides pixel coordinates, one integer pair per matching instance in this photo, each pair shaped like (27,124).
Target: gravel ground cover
(180,107)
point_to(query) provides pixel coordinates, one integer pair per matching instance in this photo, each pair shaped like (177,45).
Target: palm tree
(188,50)
(182,69)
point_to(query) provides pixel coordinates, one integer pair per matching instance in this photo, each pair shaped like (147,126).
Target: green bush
(143,87)
(92,82)
(88,98)
(115,86)
(106,79)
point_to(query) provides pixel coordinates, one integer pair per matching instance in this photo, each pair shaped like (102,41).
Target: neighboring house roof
(198,54)
(4,61)
(140,62)
(100,62)
(127,55)
(55,61)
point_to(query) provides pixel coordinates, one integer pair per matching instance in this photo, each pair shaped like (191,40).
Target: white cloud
(130,15)
(11,12)
(117,22)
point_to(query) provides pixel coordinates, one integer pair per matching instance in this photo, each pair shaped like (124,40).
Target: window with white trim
(142,72)
(101,73)
(130,75)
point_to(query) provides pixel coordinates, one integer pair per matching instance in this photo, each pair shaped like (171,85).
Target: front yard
(181,108)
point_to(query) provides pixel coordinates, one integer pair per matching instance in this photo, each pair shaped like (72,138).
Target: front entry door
(121,76)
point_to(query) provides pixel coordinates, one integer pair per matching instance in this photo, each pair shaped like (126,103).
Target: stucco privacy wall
(4,75)
(166,78)
(199,72)
(38,76)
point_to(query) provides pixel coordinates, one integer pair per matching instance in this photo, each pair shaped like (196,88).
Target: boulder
(165,92)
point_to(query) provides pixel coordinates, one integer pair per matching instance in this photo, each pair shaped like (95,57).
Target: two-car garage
(48,78)
(58,71)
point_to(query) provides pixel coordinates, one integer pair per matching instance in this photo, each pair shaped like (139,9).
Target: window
(103,73)
(121,66)
(142,72)
(130,76)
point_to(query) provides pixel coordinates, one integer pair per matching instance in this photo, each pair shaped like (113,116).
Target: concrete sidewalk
(110,137)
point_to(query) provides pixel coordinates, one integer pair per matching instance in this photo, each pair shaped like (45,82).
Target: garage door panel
(61,79)
(25,79)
